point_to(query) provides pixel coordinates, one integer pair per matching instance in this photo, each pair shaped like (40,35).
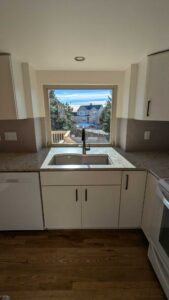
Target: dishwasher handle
(15,180)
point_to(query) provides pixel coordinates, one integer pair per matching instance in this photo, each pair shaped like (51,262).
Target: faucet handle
(88,147)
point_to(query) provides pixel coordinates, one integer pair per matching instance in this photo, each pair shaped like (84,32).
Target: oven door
(163,235)
(158,252)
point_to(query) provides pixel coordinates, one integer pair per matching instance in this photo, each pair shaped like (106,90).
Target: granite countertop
(22,162)
(156,162)
(118,161)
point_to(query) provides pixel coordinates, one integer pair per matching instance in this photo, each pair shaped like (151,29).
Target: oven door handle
(161,266)
(162,197)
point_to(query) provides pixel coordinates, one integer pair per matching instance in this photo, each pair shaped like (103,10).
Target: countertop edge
(155,163)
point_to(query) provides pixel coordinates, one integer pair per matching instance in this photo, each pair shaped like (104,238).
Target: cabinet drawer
(81,178)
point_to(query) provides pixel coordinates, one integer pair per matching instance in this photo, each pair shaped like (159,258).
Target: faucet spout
(84,141)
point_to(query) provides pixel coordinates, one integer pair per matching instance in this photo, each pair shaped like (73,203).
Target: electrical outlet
(147,135)
(10,136)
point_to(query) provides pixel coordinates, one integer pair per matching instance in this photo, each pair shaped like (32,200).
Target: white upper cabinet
(32,98)
(19,97)
(146,89)
(12,97)
(129,91)
(152,96)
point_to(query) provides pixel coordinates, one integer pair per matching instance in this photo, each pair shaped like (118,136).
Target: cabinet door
(141,98)
(34,107)
(158,87)
(100,206)
(12,96)
(132,197)
(62,206)
(18,88)
(7,98)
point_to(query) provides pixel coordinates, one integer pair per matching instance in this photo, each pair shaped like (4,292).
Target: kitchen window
(71,109)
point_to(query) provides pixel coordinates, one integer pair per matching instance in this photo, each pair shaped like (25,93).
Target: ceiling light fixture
(79,58)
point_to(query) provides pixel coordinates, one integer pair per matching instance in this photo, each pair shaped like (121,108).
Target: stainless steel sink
(80,159)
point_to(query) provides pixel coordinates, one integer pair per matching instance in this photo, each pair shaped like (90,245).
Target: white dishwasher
(20,202)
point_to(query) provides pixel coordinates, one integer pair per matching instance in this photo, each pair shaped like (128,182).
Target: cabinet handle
(148,108)
(127,182)
(12,180)
(85,194)
(76,195)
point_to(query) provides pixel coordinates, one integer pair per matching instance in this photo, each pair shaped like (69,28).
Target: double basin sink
(80,159)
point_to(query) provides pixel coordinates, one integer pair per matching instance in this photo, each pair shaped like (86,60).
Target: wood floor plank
(82,295)
(77,264)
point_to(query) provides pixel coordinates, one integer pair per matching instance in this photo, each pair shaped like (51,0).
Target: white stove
(164,182)
(159,245)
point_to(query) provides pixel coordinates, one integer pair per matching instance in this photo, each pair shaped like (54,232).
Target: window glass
(72,110)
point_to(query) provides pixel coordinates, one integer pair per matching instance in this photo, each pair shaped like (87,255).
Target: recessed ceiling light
(79,58)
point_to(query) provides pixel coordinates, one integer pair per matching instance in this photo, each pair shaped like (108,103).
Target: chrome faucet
(85,148)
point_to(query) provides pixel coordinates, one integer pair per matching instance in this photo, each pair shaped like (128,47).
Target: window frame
(113,126)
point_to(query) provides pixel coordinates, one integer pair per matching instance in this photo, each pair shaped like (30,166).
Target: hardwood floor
(90,265)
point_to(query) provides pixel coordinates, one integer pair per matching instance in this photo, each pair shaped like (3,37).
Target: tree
(105,117)
(52,95)
(53,104)
(68,117)
(61,114)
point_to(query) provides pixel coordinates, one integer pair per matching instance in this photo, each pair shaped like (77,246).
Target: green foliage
(51,95)
(61,114)
(105,117)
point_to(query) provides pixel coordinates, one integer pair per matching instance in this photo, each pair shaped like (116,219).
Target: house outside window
(70,110)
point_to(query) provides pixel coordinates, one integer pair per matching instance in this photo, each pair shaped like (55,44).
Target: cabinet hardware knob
(85,194)
(127,182)
(148,108)
(76,195)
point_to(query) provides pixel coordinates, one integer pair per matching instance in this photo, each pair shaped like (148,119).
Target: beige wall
(29,137)
(82,78)
(130,135)
(121,135)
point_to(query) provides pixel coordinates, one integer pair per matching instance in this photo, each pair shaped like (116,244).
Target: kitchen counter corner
(22,162)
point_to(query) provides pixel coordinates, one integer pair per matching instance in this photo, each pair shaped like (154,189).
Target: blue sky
(83,97)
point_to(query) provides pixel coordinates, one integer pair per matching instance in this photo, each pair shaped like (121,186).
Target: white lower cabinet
(81,207)
(90,203)
(62,206)
(132,198)
(100,206)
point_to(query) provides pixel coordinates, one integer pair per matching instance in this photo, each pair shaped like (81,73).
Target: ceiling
(111,34)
